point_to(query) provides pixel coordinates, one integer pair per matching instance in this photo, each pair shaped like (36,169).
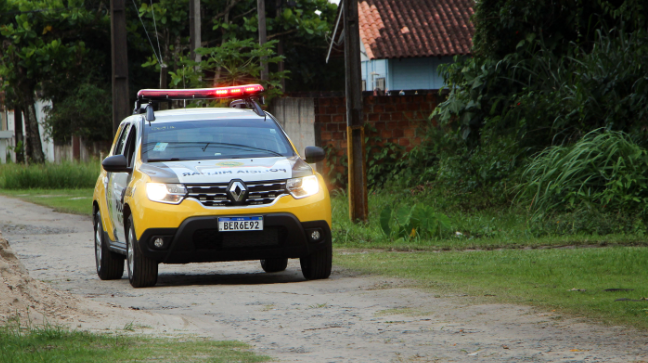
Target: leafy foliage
(81,114)
(418,221)
(41,43)
(604,170)
(560,72)
(234,63)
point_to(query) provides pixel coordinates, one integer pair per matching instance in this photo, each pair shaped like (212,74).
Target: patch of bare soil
(27,298)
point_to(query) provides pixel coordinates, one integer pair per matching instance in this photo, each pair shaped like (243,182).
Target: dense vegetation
(59,51)
(547,119)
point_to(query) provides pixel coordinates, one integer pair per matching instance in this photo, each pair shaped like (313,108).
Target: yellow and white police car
(206,185)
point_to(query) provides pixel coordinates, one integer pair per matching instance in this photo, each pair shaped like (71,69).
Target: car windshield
(216,139)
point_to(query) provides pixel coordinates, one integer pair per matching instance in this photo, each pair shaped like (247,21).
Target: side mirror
(115,164)
(314,154)
(150,115)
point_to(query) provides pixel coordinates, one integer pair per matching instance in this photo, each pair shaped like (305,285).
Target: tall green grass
(605,169)
(67,175)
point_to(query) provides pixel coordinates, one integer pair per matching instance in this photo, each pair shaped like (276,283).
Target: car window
(214,139)
(129,149)
(119,147)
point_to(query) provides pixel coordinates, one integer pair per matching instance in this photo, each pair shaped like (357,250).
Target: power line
(147,34)
(156,31)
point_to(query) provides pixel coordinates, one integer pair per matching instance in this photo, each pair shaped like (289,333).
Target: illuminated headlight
(303,187)
(166,193)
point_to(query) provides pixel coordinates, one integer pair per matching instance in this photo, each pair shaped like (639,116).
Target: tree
(233,63)
(302,26)
(547,72)
(40,41)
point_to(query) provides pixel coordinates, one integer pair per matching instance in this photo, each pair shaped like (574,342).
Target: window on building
(364,85)
(380,83)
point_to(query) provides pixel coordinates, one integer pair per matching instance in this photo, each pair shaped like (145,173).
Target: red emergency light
(200,93)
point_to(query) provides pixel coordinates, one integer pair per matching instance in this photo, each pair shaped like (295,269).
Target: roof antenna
(184,86)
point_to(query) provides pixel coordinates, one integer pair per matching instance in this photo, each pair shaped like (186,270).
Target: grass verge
(66,175)
(575,281)
(491,228)
(55,344)
(77,201)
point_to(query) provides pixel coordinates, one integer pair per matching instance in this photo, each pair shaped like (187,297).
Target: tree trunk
(33,145)
(18,135)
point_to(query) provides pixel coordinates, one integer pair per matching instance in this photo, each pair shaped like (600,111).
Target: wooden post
(262,36)
(358,205)
(164,83)
(195,29)
(121,105)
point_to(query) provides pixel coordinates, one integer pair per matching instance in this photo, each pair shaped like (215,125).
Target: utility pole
(358,205)
(262,37)
(164,84)
(121,106)
(195,30)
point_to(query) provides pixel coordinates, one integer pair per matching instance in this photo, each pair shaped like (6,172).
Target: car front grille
(216,195)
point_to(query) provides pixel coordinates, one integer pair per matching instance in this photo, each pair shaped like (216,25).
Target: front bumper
(197,239)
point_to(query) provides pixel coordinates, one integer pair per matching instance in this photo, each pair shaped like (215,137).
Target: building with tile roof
(403,42)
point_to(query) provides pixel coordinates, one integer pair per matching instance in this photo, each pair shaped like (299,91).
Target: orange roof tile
(415,28)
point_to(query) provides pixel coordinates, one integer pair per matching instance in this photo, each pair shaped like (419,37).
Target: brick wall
(397,119)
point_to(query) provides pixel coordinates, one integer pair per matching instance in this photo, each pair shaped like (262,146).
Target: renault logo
(237,191)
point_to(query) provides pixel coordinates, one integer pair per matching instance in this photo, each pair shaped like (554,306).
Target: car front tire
(142,271)
(110,265)
(274,264)
(318,264)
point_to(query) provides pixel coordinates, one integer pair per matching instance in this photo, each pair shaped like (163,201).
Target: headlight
(166,193)
(303,187)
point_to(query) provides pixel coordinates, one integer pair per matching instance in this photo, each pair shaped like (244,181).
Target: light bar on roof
(200,93)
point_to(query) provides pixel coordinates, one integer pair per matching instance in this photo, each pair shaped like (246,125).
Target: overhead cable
(147,34)
(156,32)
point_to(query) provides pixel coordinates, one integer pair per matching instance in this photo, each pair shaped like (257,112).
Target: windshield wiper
(251,148)
(169,159)
(221,144)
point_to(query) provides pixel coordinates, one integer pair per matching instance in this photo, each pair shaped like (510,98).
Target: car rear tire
(318,264)
(110,265)
(142,271)
(274,264)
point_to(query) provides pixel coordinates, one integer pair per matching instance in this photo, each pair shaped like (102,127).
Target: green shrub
(604,170)
(66,175)
(419,221)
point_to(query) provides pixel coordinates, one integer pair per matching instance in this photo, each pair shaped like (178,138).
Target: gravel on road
(348,318)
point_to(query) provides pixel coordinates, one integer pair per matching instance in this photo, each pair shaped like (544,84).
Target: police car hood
(222,171)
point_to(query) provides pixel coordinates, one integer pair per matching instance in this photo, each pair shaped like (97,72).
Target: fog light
(158,242)
(315,236)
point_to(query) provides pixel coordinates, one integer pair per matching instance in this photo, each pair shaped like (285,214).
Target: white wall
(8,139)
(297,117)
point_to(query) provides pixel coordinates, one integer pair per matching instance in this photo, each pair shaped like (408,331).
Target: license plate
(234,224)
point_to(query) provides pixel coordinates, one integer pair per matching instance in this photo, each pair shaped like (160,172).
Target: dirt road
(347,318)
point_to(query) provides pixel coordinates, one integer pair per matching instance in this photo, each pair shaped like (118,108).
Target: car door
(117,183)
